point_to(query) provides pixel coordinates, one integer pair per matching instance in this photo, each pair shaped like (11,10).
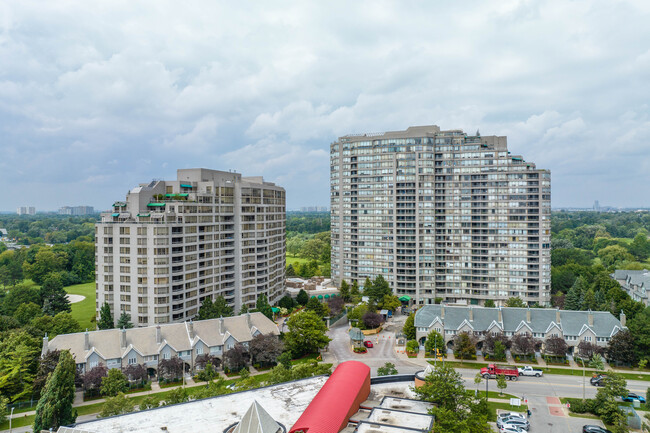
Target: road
(542,393)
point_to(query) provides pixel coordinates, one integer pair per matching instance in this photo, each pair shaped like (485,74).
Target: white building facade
(171,244)
(440,214)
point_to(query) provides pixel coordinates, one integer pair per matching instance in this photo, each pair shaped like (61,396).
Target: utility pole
(487,378)
(10,418)
(583,378)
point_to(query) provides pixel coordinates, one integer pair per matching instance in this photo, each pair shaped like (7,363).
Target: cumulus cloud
(98,97)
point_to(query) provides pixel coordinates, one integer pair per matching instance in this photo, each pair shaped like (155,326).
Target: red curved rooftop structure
(337,400)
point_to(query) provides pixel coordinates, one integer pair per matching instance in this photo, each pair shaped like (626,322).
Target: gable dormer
(467,325)
(553,326)
(494,327)
(523,325)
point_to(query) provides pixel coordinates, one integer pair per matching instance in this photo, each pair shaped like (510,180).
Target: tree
(93,378)
(149,402)
(302,297)
(490,342)
(355,294)
(114,383)
(105,317)
(265,348)
(409,327)
(501,383)
(614,254)
(136,373)
(621,348)
(555,346)
(243,309)
(575,295)
(306,333)
(377,289)
(387,370)
(367,287)
(236,358)
(372,320)
(54,298)
(412,346)
(290,272)
(390,302)
(4,411)
(606,398)
(18,362)
(46,365)
(640,247)
(171,369)
(499,351)
(202,361)
(176,396)
(206,310)
(489,303)
(515,302)
(124,322)
(54,408)
(26,312)
(597,362)
(117,405)
(464,346)
(262,305)
(586,349)
(435,341)
(455,409)
(639,326)
(344,290)
(285,359)
(317,307)
(64,323)
(286,302)
(207,374)
(335,305)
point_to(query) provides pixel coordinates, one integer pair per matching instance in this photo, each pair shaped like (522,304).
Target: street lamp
(10,418)
(487,378)
(583,378)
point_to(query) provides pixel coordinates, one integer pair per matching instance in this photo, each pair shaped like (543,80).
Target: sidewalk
(155,388)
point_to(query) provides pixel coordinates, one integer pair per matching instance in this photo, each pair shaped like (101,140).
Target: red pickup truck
(492,370)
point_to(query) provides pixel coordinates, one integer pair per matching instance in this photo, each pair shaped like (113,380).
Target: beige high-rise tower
(441,214)
(171,244)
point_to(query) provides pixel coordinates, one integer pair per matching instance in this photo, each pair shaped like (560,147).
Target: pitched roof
(257,420)
(571,322)
(107,342)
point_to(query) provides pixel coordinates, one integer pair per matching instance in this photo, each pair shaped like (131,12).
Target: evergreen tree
(302,298)
(206,311)
(290,272)
(589,300)
(105,317)
(572,299)
(367,287)
(243,309)
(355,295)
(53,297)
(124,322)
(489,303)
(262,305)
(54,408)
(317,307)
(344,290)
(409,327)
(221,307)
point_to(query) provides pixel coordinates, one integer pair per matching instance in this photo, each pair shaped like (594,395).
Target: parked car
(368,344)
(514,421)
(632,397)
(529,371)
(598,380)
(510,429)
(512,414)
(594,429)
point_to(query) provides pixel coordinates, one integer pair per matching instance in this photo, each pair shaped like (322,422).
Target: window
(199,350)
(167,355)
(93,364)
(133,360)
(587,338)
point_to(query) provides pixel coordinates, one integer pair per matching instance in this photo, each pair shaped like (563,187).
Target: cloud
(122,92)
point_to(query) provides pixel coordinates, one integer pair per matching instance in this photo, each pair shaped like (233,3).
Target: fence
(22,405)
(633,418)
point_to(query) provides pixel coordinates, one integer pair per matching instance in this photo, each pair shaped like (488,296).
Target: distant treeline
(48,228)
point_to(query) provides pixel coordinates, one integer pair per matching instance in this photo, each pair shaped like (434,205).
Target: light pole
(435,351)
(487,378)
(583,378)
(10,418)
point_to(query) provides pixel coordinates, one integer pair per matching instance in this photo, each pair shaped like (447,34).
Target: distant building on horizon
(173,243)
(441,214)
(76,210)
(314,209)
(26,210)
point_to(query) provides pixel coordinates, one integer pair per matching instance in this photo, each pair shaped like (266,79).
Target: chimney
(158,335)
(221,330)
(590,318)
(528,315)
(622,318)
(557,316)
(190,329)
(471,314)
(86,340)
(248,319)
(442,311)
(123,339)
(46,345)
(500,316)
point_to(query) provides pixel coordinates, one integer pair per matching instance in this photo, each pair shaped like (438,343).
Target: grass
(493,406)
(84,311)
(305,359)
(292,260)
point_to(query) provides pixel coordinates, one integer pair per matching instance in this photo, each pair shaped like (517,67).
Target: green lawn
(84,311)
(292,260)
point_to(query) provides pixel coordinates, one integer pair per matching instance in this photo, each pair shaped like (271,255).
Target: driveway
(377,356)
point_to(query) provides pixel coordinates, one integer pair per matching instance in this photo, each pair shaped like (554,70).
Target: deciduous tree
(464,346)
(621,348)
(409,327)
(515,302)
(262,305)
(114,383)
(435,340)
(387,370)
(306,333)
(555,346)
(265,348)
(117,405)
(93,378)
(236,358)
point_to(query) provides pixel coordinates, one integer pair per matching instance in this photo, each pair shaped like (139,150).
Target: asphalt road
(541,392)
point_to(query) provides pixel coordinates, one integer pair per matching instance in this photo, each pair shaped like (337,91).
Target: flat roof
(398,418)
(406,404)
(284,402)
(366,427)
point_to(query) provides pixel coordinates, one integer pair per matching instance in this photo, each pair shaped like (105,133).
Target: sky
(97,97)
